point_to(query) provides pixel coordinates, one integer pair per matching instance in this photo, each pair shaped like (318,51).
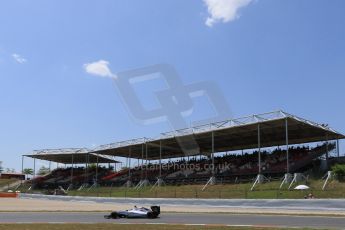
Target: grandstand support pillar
(213,169)
(21,181)
(129,163)
(327,150)
(142,163)
(286,179)
(338,150)
(288,176)
(87,168)
(297,177)
(159,181)
(141,168)
(259,149)
(144,182)
(34,174)
(71,185)
(146,161)
(160,159)
(96,181)
(22,164)
(259,178)
(212,180)
(129,181)
(287,146)
(329,177)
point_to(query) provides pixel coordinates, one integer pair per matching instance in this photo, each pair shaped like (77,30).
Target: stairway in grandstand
(316,153)
(115,174)
(12,186)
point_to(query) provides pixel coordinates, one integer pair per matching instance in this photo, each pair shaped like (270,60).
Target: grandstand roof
(229,135)
(71,156)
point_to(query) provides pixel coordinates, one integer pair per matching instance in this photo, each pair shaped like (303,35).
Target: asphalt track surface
(181,218)
(279,204)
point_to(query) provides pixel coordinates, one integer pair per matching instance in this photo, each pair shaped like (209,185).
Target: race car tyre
(150,215)
(112,215)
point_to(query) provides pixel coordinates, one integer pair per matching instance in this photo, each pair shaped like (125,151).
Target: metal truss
(237,122)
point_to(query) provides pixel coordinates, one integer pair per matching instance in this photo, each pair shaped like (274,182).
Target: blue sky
(263,54)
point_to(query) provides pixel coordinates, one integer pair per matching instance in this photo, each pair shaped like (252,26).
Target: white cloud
(98,68)
(18,58)
(223,10)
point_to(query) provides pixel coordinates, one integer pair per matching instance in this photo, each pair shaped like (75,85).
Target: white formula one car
(136,213)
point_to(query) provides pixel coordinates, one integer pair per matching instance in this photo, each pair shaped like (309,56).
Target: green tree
(43,171)
(339,171)
(8,170)
(28,171)
(92,166)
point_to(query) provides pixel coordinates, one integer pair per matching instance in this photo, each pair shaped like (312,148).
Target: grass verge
(227,191)
(4,182)
(119,227)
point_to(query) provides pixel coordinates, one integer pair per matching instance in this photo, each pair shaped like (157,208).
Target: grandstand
(271,144)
